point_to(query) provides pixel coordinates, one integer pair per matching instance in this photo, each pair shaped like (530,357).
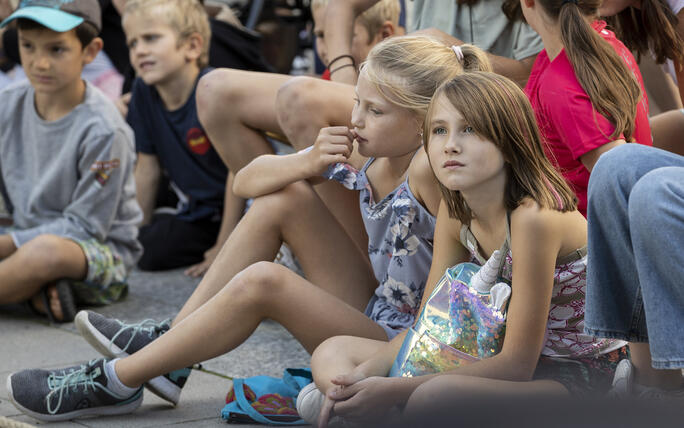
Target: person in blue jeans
(635,286)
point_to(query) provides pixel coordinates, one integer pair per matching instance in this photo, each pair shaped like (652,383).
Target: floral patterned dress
(400,234)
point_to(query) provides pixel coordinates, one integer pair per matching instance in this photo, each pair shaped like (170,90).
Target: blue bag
(255,399)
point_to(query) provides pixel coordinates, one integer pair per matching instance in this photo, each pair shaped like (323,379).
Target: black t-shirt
(177,138)
(235,48)
(114,38)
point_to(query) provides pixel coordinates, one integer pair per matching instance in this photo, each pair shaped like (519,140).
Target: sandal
(66,301)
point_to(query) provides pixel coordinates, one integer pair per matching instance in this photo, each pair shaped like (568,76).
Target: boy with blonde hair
(66,161)
(169,48)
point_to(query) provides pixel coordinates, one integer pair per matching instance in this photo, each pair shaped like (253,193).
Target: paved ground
(28,342)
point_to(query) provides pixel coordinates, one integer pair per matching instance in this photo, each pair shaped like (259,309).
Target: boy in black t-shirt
(169,44)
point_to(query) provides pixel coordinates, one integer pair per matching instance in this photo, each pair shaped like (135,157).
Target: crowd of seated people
(133,133)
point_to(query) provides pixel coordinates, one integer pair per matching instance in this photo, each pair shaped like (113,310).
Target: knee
(616,158)
(329,350)
(606,172)
(44,254)
(297,100)
(611,181)
(215,90)
(280,206)
(654,196)
(297,93)
(258,284)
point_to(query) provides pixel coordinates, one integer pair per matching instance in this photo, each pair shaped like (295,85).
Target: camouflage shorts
(106,279)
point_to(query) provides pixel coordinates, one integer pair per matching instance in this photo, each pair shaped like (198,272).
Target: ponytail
(653,28)
(475,59)
(610,84)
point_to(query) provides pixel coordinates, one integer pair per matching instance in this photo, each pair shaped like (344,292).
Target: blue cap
(58,15)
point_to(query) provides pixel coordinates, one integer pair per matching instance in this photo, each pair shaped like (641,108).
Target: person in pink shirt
(585,88)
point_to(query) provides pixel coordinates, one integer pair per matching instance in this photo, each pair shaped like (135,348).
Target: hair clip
(458,51)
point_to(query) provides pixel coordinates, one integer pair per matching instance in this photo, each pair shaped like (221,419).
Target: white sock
(114,383)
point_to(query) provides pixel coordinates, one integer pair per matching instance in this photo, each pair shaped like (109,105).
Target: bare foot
(53,299)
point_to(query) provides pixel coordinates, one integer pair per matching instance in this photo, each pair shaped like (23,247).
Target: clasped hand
(356,398)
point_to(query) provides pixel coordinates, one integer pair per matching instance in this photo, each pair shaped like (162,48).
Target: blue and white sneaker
(59,395)
(115,339)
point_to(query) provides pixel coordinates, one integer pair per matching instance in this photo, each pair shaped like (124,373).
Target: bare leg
(668,129)
(235,107)
(44,259)
(304,106)
(233,208)
(263,291)
(648,376)
(446,391)
(340,355)
(297,216)
(39,261)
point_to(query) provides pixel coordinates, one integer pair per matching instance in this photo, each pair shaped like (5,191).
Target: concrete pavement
(30,342)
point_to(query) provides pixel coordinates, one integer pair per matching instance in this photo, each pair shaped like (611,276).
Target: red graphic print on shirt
(197,141)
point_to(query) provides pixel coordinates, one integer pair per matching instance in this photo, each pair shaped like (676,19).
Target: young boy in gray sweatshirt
(66,162)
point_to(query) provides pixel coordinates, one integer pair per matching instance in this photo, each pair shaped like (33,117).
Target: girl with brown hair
(585,88)
(497,186)
(655,27)
(651,27)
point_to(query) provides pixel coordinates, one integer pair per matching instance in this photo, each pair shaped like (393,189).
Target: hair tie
(458,51)
(568,1)
(337,58)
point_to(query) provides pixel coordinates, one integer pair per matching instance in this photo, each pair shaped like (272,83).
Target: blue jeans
(635,276)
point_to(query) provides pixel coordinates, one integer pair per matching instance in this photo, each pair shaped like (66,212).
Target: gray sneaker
(59,395)
(115,339)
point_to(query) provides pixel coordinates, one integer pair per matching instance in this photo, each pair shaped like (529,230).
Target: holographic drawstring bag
(463,321)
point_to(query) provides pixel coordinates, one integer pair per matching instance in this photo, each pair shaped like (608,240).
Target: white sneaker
(623,381)
(309,403)
(624,386)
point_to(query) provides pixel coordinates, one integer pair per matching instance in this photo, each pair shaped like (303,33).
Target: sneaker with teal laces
(115,339)
(73,392)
